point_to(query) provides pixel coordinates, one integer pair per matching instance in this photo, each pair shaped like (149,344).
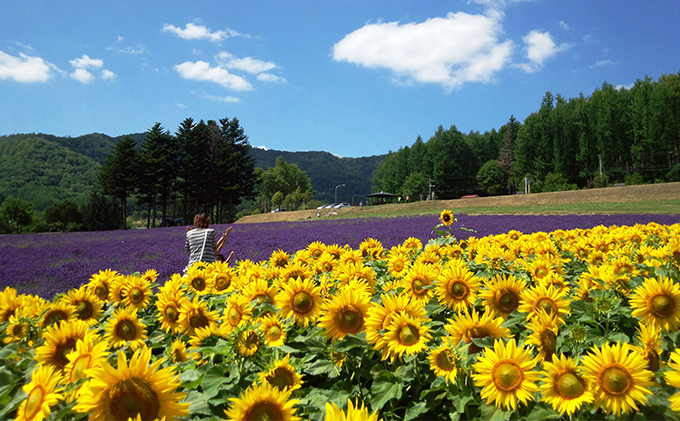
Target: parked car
(278,210)
(342,205)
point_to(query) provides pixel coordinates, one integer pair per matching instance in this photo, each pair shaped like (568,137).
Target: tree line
(616,135)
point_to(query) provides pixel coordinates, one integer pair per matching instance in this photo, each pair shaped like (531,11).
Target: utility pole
(600,157)
(336,192)
(431,186)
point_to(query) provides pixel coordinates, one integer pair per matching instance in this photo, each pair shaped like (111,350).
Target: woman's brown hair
(201,220)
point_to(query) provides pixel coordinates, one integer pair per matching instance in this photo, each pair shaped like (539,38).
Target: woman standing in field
(200,241)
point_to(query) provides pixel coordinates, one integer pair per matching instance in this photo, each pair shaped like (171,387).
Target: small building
(380,198)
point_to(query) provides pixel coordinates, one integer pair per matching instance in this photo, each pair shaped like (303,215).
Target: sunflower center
(349,319)
(445,362)
(84,310)
(34,402)
(676,256)
(234,316)
(303,302)
(198,319)
(55,317)
(417,286)
(81,364)
(507,300)
(198,283)
(548,343)
(62,350)
(281,378)
(547,305)
(222,282)
(616,380)
(264,411)
(662,305)
(171,313)
(507,376)
(459,290)
(102,291)
(541,272)
(652,360)
(131,397)
(409,335)
(327,267)
(136,295)
(273,333)
(126,330)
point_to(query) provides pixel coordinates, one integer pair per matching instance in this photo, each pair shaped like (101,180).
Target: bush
(601,181)
(635,179)
(556,182)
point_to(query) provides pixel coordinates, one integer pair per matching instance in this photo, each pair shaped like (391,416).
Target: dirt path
(625,194)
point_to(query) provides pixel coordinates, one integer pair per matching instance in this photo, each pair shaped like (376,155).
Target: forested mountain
(43,171)
(327,171)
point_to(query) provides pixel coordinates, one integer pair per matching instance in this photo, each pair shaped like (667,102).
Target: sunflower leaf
(385,390)
(540,413)
(414,411)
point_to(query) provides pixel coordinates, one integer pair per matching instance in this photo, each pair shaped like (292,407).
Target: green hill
(327,171)
(43,171)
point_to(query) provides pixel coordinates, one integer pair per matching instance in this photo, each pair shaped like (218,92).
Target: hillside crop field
(417,316)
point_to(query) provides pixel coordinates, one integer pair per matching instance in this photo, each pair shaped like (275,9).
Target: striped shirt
(194,244)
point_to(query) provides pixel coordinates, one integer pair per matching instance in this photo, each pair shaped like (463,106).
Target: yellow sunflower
(259,291)
(124,327)
(657,301)
(418,278)
(502,294)
(117,289)
(505,376)
(563,385)
(168,306)
(544,298)
(9,303)
(100,283)
(91,351)
(650,345)
(263,402)
(379,316)
(273,330)
(279,259)
(301,300)
(619,378)
(137,389)
(446,217)
(444,363)
(295,270)
(457,286)
(406,335)
(223,278)
(412,245)
(60,310)
(325,264)
(354,412)
(88,306)
(371,249)
(179,353)
(237,310)
(672,377)
(351,256)
(59,341)
(398,264)
(43,392)
(199,280)
(282,375)
(206,336)
(20,327)
(195,314)
(544,329)
(316,249)
(247,342)
(344,313)
(465,326)
(137,292)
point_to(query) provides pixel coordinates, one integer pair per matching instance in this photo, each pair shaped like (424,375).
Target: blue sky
(351,77)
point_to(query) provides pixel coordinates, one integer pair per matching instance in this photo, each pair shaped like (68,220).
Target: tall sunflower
(247,342)
(544,298)
(100,283)
(273,330)
(419,276)
(468,325)
(446,217)
(456,286)
(347,272)
(258,291)
(137,292)
(301,300)
(88,306)
(279,259)
(657,301)
(195,314)
(295,270)
(124,327)
(199,280)
(237,310)
(282,375)
(412,245)
(379,316)
(9,303)
(223,278)
(344,313)
(138,389)
(168,306)
(398,264)
(650,345)
(91,351)
(263,402)
(59,341)
(502,293)
(563,385)
(60,310)
(505,375)
(544,328)
(406,335)
(355,412)
(619,377)
(443,362)
(316,249)
(43,392)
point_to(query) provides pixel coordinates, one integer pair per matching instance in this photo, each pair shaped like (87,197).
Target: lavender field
(47,264)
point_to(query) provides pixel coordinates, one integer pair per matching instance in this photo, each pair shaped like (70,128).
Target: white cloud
(24,69)
(216,98)
(628,87)
(540,47)
(202,71)
(564,26)
(193,31)
(108,74)
(264,148)
(448,51)
(82,75)
(601,63)
(268,77)
(85,62)
(139,49)
(247,64)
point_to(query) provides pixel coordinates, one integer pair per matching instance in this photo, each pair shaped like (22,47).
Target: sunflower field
(569,324)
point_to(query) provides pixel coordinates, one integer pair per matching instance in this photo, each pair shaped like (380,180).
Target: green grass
(670,207)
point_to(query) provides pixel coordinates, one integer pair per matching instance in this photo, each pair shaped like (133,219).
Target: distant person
(200,242)
(399,199)
(407,197)
(361,205)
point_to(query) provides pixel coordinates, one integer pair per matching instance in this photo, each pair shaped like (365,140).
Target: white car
(342,205)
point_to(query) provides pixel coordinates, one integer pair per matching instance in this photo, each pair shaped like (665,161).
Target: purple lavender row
(47,264)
